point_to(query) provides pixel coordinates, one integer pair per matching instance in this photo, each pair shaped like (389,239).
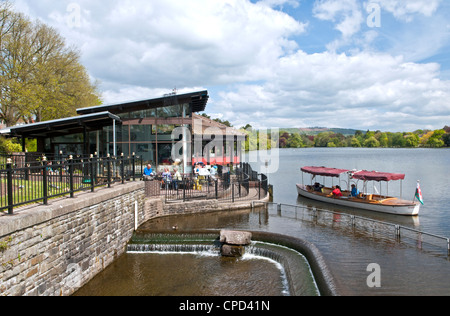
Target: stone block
(237,238)
(232,251)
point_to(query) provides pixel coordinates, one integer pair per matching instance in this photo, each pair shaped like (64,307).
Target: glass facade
(147,133)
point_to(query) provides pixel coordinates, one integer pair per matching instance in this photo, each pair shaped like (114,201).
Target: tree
(295,141)
(436,139)
(411,140)
(41,78)
(371,142)
(355,142)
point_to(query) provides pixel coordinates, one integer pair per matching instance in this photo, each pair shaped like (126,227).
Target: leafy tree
(371,142)
(295,141)
(436,139)
(411,140)
(41,78)
(355,142)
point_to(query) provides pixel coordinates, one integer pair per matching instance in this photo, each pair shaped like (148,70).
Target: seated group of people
(167,177)
(173,179)
(336,190)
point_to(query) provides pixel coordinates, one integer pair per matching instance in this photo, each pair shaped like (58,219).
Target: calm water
(405,269)
(430,166)
(146,274)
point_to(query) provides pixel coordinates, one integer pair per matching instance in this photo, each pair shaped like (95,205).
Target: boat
(366,201)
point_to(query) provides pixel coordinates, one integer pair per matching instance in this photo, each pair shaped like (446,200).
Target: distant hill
(317,130)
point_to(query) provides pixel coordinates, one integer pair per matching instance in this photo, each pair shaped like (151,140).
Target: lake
(430,166)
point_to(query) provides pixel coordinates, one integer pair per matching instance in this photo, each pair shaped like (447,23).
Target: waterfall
(173,248)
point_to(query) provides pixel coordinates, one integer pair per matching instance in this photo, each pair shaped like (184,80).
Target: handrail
(398,228)
(46,180)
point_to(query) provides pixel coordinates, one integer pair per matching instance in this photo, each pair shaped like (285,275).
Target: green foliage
(291,138)
(9,146)
(41,78)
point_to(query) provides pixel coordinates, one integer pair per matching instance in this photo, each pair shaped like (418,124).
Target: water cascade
(293,267)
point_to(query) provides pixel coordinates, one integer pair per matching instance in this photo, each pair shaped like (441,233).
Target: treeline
(371,139)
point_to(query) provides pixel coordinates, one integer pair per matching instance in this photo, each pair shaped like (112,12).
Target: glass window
(122,133)
(146,151)
(74,138)
(166,129)
(165,154)
(170,111)
(141,133)
(143,114)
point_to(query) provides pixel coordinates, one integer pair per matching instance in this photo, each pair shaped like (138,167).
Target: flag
(419,193)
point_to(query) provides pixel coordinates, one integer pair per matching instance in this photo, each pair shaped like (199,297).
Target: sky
(371,64)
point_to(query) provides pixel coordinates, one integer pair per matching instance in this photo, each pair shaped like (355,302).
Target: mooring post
(397,231)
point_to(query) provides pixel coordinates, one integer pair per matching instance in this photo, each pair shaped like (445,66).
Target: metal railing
(44,180)
(241,184)
(422,240)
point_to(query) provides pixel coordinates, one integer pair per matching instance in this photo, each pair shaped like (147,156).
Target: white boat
(365,201)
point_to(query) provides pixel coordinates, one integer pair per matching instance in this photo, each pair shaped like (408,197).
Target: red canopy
(377,176)
(323,171)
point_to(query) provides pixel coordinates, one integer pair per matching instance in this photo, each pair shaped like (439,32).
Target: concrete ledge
(32,216)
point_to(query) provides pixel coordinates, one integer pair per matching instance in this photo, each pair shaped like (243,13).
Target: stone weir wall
(53,250)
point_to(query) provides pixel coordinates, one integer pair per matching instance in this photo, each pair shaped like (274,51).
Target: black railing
(44,180)
(240,184)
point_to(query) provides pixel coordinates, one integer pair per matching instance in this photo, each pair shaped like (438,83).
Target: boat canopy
(324,171)
(377,176)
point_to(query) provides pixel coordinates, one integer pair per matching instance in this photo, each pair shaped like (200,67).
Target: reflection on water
(405,269)
(146,274)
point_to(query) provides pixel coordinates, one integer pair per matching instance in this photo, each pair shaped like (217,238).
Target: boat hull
(405,209)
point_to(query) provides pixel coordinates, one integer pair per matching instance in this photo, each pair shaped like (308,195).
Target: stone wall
(53,250)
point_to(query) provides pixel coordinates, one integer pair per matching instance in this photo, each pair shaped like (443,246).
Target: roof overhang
(197,100)
(65,126)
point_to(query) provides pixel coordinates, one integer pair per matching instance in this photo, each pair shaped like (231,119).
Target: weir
(294,268)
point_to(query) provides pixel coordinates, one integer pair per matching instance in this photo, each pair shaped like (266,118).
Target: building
(163,131)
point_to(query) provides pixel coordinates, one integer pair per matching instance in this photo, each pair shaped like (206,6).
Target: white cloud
(168,43)
(249,56)
(405,10)
(339,90)
(347,14)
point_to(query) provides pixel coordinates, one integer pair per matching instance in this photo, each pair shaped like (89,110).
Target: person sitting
(337,191)
(355,191)
(317,187)
(148,172)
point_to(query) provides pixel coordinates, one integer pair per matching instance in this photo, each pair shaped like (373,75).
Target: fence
(242,183)
(422,240)
(42,180)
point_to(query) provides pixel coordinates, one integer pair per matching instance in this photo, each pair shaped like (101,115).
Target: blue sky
(270,63)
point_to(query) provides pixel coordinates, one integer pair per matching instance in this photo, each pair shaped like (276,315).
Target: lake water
(430,166)
(407,268)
